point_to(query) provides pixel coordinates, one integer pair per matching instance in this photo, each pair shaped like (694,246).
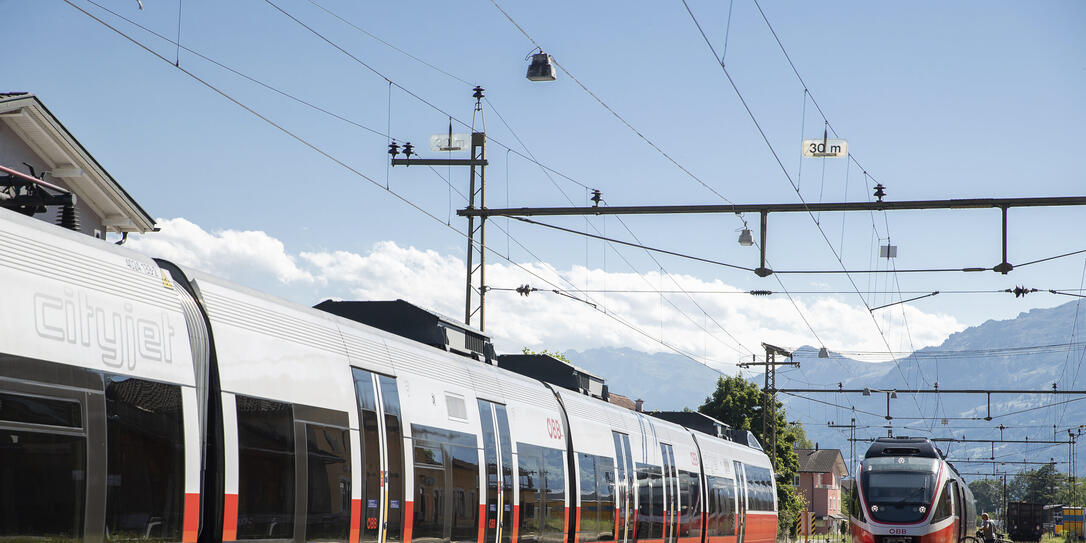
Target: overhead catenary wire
(343,50)
(547,170)
(657,148)
(610,314)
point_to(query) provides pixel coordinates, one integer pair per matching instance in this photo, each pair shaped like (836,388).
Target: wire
(245,76)
(637,245)
(653,145)
(611,110)
(358,173)
(545,169)
(378,38)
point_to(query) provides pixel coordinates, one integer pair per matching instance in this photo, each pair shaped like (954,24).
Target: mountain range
(1032,351)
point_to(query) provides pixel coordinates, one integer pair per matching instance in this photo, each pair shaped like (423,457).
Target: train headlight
(874,509)
(922,509)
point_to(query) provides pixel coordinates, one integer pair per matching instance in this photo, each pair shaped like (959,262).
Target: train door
(741,501)
(381,435)
(624,488)
(498,453)
(671,494)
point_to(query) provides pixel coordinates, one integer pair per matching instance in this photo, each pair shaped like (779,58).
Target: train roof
(903,446)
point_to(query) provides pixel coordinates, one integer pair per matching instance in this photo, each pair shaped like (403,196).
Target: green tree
(1043,485)
(739,403)
(557,355)
(988,494)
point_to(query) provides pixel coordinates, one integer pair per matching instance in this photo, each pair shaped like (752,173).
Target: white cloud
(223,253)
(547,320)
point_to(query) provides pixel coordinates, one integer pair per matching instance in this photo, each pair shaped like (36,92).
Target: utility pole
(769,393)
(478,164)
(478,153)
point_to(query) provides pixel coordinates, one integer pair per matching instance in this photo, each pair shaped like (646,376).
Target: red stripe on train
(230,518)
(482,523)
(408,520)
(191,524)
(577,527)
(356,519)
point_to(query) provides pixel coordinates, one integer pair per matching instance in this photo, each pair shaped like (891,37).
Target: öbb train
(140,401)
(908,493)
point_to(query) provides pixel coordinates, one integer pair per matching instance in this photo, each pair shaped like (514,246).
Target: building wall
(823,494)
(14,152)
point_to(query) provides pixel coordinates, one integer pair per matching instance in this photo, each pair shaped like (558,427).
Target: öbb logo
(554,429)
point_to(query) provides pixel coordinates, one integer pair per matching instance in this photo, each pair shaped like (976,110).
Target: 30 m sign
(825,148)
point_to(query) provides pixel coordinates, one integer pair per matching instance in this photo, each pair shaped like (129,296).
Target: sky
(278,179)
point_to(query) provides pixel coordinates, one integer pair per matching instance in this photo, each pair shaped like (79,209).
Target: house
(46,173)
(819,482)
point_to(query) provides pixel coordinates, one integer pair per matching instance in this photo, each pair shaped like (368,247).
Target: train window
(942,506)
(605,488)
(266,475)
(490,456)
(721,506)
(44,485)
(390,401)
(542,493)
(589,525)
(554,477)
(447,484)
(759,488)
(531,484)
(690,504)
(650,507)
(370,436)
(329,483)
(430,491)
(146,460)
(465,486)
(35,410)
(507,471)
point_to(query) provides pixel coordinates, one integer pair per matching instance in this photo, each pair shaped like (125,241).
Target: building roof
(69,162)
(621,401)
(822,461)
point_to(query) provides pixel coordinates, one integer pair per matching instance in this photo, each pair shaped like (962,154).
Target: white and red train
(909,493)
(143,401)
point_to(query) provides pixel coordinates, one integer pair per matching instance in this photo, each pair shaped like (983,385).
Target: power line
(654,146)
(610,109)
(358,173)
(532,158)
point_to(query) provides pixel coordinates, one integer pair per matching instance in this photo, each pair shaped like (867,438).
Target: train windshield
(898,489)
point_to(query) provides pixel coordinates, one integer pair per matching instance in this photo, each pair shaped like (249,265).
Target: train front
(895,502)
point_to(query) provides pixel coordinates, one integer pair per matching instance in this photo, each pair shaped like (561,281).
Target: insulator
(761,292)
(393,149)
(68,217)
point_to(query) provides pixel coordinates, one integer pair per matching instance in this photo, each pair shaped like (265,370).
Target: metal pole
(765,402)
(482,232)
(471,237)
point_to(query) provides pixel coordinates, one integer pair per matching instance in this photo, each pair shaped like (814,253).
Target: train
(145,401)
(907,492)
(1024,521)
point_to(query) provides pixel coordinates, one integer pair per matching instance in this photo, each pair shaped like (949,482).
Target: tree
(739,404)
(557,355)
(988,494)
(1043,485)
